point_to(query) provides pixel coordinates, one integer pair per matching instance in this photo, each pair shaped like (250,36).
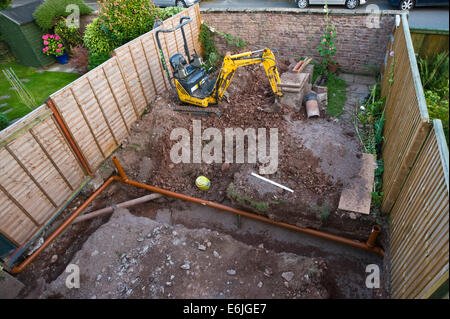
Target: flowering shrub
(70,35)
(327,48)
(53,45)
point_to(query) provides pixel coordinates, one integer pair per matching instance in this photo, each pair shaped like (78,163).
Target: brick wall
(296,33)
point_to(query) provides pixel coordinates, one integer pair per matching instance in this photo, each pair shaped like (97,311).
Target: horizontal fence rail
(46,157)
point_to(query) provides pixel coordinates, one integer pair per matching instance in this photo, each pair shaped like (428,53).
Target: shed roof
(23,14)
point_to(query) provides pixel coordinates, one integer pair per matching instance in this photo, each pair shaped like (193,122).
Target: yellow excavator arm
(190,78)
(232,62)
(226,73)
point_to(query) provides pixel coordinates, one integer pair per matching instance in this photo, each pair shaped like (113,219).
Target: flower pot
(63,59)
(333,67)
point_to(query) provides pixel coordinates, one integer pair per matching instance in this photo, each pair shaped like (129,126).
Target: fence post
(69,137)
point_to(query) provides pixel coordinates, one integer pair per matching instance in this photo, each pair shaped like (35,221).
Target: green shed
(23,35)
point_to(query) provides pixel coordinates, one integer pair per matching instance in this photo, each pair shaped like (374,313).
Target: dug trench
(316,159)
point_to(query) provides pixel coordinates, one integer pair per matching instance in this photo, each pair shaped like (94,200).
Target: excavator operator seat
(180,67)
(177,61)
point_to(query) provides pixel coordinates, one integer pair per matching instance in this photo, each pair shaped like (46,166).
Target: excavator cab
(191,81)
(192,76)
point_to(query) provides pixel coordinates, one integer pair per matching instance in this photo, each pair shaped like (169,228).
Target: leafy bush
(124,20)
(434,74)
(437,103)
(50,10)
(166,13)
(97,41)
(209,50)
(95,59)
(70,36)
(4,4)
(4,122)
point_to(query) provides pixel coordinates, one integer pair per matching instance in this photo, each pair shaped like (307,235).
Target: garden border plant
(434,74)
(369,121)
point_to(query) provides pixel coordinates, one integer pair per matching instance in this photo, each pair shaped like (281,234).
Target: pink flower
(43,50)
(51,36)
(45,42)
(45,37)
(60,45)
(324,40)
(56,38)
(391,53)
(58,50)
(46,48)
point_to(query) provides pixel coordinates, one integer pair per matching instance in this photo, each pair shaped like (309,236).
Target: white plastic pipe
(272,182)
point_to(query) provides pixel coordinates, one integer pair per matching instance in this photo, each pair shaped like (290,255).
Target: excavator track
(198,110)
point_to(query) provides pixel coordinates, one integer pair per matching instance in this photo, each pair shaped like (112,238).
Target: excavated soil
(136,257)
(317,158)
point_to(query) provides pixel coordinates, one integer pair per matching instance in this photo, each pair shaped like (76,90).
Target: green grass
(337,95)
(41,86)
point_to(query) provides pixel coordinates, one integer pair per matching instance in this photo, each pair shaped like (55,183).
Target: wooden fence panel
(407,123)
(428,43)
(420,223)
(118,88)
(38,173)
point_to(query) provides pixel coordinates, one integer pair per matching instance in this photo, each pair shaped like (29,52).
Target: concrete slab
(294,100)
(357,196)
(10,287)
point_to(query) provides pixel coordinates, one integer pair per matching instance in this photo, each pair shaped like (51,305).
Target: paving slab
(357,196)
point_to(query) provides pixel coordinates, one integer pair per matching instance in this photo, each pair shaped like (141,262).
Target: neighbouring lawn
(40,85)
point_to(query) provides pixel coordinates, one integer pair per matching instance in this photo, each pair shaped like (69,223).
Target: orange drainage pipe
(313,232)
(66,133)
(124,179)
(64,225)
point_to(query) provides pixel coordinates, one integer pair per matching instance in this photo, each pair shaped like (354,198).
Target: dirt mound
(135,257)
(316,157)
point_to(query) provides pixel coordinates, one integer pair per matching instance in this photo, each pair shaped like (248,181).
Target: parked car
(409,4)
(175,3)
(350,4)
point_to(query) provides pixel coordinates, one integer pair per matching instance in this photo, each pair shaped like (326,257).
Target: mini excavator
(191,80)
